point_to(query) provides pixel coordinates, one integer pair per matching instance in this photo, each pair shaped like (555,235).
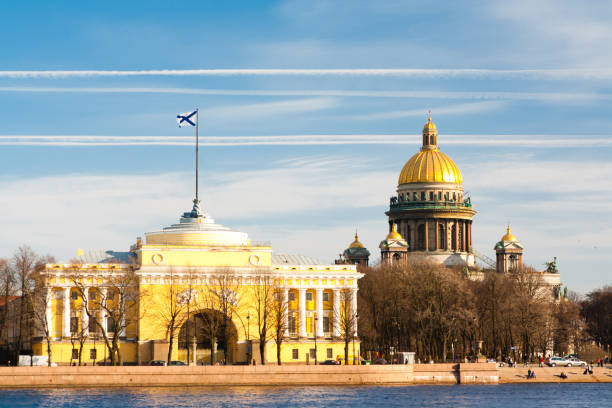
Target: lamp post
(248,338)
(315,337)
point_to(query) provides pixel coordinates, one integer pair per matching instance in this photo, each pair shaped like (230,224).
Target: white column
(123,311)
(66,314)
(354,309)
(103,292)
(84,316)
(335,322)
(319,321)
(285,301)
(48,315)
(302,316)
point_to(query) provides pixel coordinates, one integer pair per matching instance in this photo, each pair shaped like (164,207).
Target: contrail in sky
(550,74)
(544,141)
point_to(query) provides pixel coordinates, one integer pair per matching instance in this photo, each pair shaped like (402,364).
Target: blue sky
(308,147)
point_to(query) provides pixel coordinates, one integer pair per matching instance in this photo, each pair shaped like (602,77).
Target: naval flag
(187,119)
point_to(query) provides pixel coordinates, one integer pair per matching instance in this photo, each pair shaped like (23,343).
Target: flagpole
(197,150)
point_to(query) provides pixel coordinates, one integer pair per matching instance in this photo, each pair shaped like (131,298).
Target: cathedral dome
(509,237)
(356,243)
(430,165)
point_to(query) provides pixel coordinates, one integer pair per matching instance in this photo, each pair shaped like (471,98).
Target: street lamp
(315,336)
(248,338)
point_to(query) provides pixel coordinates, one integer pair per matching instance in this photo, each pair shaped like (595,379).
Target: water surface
(505,395)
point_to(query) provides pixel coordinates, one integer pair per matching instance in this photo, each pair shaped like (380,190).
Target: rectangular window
(326,296)
(292,296)
(326,324)
(439,195)
(312,354)
(92,296)
(74,325)
(92,354)
(414,196)
(431,196)
(422,196)
(110,324)
(75,354)
(74,295)
(294,354)
(292,324)
(330,354)
(309,296)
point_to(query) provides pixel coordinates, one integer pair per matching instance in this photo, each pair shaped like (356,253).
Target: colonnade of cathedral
(440,234)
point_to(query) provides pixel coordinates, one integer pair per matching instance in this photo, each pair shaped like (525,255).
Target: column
(354,309)
(286,310)
(84,316)
(302,316)
(437,239)
(456,236)
(66,313)
(103,293)
(48,315)
(319,321)
(470,227)
(426,234)
(336,326)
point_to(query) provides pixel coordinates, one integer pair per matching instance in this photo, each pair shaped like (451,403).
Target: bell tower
(509,253)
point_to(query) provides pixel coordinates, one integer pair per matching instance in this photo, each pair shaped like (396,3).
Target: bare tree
(119,300)
(40,301)
(173,310)
(24,263)
(345,316)
(263,290)
(208,300)
(7,290)
(226,286)
(278,316)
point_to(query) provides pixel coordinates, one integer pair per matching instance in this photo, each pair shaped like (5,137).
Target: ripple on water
(506,395)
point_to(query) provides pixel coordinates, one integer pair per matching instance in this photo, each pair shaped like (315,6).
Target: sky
(308,111)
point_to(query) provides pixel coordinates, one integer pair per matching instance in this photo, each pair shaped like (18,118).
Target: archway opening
(215,338)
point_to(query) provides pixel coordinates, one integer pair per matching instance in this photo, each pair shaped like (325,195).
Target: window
(431,195)
(446,196)
(92,296)
(326,296)
(75,354)
(422,196)
(74,295)
(330,354)
(110,324)
(92,354)
(312,354)
(439,195)
(294,354)
(292,296)
(74,325)
(454,196)
(309,296)
(414,196)
(292,324)
(326,324)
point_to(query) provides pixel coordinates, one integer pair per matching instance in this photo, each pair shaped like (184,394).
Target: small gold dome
(430,165)
(394,234)
(356,243)
(509,237)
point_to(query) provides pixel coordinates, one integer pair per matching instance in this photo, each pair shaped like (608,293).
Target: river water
(506,395)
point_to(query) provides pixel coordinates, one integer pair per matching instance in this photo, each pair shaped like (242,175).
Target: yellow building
(206,287)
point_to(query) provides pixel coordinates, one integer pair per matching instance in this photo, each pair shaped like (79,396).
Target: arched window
(396,258)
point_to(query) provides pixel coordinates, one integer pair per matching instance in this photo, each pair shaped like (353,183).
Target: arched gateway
(215,337)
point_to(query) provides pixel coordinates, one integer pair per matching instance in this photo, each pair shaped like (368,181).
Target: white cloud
(552,97)
(266,109)
(531,74)
(521,140)
(466,108)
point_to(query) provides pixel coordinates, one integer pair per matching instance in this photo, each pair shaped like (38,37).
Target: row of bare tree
(444,314)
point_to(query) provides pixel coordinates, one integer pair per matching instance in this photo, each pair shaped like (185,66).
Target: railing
(394,204)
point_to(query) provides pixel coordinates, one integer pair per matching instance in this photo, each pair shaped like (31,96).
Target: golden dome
(394,234)
(430,165)
(356,243)
(509,236)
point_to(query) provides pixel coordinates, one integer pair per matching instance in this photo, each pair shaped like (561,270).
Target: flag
(187,119)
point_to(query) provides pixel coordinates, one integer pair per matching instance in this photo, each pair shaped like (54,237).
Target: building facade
(214,281)
(430,212)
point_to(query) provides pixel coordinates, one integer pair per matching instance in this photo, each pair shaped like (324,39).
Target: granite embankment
(271,375)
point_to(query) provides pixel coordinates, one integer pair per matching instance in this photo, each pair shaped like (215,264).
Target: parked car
(558,361)
(177,363)
(329,362)
(157,363)
(379,361)
(576,362)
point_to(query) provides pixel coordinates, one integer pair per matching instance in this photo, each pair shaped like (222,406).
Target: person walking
(541,361)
